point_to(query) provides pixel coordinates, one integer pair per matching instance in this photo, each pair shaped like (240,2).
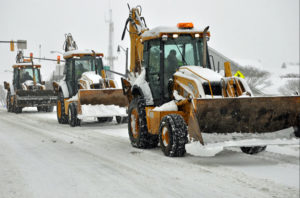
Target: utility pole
(40,52)
(110,56)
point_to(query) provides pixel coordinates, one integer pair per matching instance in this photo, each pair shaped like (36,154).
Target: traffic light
(58,59)
(12,46)
(31,56)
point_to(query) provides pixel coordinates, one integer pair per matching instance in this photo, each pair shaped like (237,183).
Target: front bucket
(103,96)
(246,115)
(34,98)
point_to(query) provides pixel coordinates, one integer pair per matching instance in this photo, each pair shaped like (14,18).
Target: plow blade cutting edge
(104,96)
(243,115)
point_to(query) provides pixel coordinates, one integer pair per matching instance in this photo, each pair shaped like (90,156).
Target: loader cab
(26,72)
(77,64)
(164,55)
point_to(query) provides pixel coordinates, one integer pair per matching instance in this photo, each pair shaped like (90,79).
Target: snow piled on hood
(203,72)
(169,106)
(30,83)
(91,76)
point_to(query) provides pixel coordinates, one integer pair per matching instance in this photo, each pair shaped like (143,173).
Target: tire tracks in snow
(174,177)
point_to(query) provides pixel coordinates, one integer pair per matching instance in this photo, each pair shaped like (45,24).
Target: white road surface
(41,158)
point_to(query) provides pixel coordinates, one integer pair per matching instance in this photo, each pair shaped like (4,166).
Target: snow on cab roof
(157,31)
(25,64)
(72,53)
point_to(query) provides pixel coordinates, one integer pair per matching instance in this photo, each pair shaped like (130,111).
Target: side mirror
(55,86)
(126,86)
(6,85)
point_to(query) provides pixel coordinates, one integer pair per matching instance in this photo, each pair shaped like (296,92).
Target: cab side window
(153,68)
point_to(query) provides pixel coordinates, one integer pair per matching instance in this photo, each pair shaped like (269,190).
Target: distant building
(58,73)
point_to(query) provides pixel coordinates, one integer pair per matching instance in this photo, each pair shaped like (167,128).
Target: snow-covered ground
(41,158)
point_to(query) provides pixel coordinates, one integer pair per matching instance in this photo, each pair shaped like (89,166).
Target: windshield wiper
(182,57)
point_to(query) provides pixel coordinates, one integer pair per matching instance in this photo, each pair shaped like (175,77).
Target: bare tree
(291,87)
(257,79)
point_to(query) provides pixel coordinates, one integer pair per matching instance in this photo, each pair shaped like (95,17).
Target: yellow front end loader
(173,93)
(85,91)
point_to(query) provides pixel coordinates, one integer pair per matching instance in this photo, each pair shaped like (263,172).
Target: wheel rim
(165,136)
(59,109)
(134,123)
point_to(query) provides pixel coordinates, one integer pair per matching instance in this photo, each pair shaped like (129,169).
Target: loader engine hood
(91,76)
(29,85)
(194,80)
(197,71)
(90,80)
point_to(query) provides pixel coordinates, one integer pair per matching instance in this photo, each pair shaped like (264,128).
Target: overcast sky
(264,30)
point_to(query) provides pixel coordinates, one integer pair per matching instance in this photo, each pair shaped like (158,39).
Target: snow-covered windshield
(87,63)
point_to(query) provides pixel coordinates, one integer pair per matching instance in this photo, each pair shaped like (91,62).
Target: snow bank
(101,111)
(169,106)
(215,143)
(278,137)
(197,149)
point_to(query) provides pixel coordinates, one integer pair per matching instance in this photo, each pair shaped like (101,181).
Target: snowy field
(41,158)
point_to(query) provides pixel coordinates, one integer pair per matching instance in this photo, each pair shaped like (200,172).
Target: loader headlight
(175,35)
(164,37)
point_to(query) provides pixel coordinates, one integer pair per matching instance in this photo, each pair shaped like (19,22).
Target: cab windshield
(184,50)
(29,73)
(163,57)
(86,64)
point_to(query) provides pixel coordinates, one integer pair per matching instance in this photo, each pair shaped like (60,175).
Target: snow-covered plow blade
(103,96)
(34,98)
(244,115)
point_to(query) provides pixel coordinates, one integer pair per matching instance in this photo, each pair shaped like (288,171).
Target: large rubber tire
(122,119)
(73,120)
(253,149)
(102,119)
(40,109)
(109,119)
(173,135)
(8,102)
(49,109)
(15,108)
(137,125)
(297,131)
(62,118)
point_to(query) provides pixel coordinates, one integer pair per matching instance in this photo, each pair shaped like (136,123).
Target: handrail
(200,77)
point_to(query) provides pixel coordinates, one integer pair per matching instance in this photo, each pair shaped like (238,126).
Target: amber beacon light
(185,25)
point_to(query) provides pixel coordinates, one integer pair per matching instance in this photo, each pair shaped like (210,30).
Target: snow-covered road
(41,158)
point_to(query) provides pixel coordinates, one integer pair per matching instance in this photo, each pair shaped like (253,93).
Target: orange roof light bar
(185,25)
